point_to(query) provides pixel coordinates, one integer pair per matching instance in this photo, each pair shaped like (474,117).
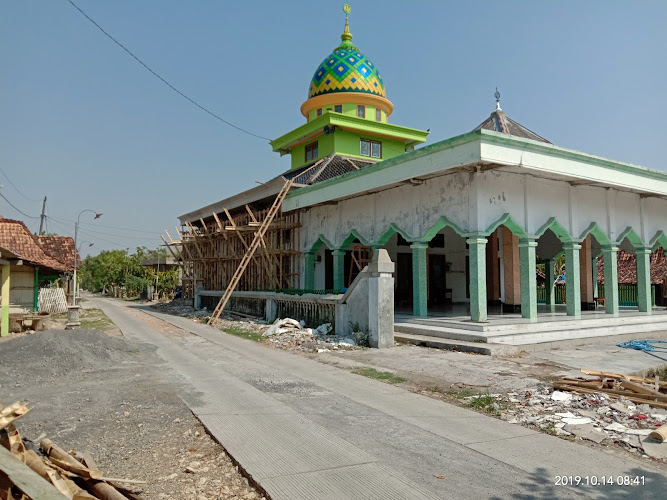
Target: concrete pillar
(309,270)
(643,256)
(528,279)
(477,257)
(585,275)
(4,305)
(549,278)
(572,278)
(338,270)
(610,256)
(511,272)
(381,300)
(419,279)
(270,310)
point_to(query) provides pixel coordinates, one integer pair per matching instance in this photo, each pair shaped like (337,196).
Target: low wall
(366,306)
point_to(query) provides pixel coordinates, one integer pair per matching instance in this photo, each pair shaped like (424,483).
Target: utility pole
(41,222)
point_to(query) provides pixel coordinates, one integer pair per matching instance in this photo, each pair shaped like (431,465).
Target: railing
(627,294)
(312,313)
(302,291)
(559,292)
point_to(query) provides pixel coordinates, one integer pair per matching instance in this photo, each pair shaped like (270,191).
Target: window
(311,151)
(319,111)
(370,148)
(361,111)
(378,115)
(338,108)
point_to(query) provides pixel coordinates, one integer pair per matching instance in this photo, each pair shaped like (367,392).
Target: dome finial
(497,96)
(346,37)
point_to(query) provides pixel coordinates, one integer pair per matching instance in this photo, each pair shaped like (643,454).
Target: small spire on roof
(346,36)
(497,96)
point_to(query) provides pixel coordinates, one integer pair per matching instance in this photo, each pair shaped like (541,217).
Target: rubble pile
(74,474)
(288,333)
(587,411)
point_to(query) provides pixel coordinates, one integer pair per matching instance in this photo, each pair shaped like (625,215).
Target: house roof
(498,121)
(326,168)
(627,267)
(16,237)
(60,248)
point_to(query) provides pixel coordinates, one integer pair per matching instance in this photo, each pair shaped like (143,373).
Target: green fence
(558,290)
(627,294)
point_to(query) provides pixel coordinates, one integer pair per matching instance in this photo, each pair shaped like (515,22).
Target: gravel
(114,398)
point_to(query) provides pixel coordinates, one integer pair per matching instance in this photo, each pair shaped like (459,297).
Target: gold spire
(346,37)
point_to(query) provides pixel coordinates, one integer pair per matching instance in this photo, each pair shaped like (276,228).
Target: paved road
(307,430)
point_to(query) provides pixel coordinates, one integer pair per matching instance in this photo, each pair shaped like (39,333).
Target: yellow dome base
(324,100)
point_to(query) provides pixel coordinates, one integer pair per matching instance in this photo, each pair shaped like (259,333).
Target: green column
(309,282)
(528,279)
(36,290)
(595,276)
(419,279)
(610,256)
(477,257)
(644,279)
(572,278)
(338,269)
(4,320)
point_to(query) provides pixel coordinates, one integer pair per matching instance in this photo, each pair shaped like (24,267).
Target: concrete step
(456,345)
(438,331)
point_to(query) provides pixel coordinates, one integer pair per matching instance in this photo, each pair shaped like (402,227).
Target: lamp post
(76,234)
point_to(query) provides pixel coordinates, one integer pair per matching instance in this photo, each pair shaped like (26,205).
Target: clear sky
(84,124)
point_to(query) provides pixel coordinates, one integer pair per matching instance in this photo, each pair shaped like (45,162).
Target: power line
(19,211)
(14,186)
(63,220)
(163,80)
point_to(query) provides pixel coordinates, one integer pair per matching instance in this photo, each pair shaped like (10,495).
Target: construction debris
(291,334)
(74,475)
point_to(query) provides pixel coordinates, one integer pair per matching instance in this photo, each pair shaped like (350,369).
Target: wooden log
(663,385)
(26,479)
(612,395)
(104,491)
(62,459)
(640,389)
(16,446)
(59,483)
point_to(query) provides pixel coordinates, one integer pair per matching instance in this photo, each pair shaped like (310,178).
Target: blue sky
(85,125)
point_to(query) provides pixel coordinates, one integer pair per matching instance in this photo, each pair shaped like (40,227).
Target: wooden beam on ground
(621,377)
(26,479)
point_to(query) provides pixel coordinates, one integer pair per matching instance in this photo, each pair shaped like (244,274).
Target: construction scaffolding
(212,250)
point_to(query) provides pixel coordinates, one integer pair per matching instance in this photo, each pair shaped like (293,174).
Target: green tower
(347,112)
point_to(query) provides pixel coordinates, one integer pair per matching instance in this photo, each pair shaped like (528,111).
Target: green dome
(346,69)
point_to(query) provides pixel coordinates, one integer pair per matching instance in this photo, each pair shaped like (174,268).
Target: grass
(378,375)
(660,371)
(461,393)
(244,334)
(95,319)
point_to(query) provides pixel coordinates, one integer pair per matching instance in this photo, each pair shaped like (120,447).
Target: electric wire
(206,110)
(63,220)
(14,186)
(19,211)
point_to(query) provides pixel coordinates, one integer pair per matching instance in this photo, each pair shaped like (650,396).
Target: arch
(442,223)
(354,235)
(659,240)
(557,228)
(597,233)
(632,237)
(321,241)
(391,231)
(507,221)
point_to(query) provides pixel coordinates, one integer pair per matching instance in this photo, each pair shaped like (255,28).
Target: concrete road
(306,430)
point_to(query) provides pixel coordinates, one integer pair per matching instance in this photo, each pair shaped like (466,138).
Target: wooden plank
(217,220)
(169,235)
(640,389)
(26,479)
(618,376)
(612,395)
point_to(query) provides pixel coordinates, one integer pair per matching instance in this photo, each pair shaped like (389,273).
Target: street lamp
(76,234)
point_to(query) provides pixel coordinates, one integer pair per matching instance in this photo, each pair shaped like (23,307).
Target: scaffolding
(213,249)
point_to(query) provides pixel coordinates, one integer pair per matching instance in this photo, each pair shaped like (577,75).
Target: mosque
(468,221)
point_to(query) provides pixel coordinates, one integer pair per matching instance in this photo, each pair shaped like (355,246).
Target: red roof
(61,248)
(627,267)
(15,236)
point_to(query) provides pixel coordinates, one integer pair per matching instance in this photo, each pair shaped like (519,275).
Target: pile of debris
(289,333)
(597,409)
(74,474)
